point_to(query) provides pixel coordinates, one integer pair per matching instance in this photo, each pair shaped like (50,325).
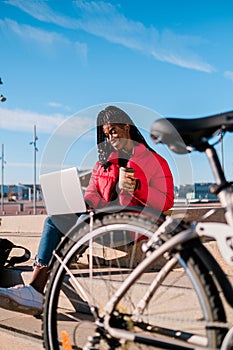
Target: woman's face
(118,136)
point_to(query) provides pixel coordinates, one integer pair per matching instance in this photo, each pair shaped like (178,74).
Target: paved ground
(23,332)
(19,331)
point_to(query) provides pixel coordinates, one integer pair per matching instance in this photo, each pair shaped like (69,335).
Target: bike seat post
(215,165)
(225,193)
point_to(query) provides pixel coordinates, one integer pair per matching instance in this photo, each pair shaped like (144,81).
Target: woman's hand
(129,183)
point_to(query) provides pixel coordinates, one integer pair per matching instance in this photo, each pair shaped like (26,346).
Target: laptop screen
(62,192)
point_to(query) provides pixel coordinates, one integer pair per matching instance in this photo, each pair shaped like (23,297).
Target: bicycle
(103,294)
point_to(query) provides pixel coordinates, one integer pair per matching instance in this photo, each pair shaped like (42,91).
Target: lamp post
(2,98)
(221,150)
(35,149)
(2,184)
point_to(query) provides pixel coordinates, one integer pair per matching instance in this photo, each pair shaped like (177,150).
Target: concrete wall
(22,223)
(34,223)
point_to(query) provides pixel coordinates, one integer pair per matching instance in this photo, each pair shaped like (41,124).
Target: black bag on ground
(6,247)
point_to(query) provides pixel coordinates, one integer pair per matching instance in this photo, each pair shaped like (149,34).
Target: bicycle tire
(214,316)
(72,320)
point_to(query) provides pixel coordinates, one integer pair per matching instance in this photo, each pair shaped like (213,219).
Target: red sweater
(156,189)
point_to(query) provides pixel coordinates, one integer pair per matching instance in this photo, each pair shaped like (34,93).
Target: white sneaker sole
(10,304)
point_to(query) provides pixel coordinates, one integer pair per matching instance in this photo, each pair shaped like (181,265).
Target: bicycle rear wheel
(94,264)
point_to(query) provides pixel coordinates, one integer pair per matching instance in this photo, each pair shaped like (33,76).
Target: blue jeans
(54,228)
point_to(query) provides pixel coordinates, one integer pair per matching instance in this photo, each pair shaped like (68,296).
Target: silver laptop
(62,192)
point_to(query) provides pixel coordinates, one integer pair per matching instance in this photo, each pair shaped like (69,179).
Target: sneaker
(21,298)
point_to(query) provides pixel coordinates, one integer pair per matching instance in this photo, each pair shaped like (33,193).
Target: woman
(120,144)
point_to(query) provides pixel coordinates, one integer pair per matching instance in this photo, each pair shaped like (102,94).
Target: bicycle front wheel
(87,272)
(177,307)
(95,263)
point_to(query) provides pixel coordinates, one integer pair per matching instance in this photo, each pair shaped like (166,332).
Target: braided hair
(114,115)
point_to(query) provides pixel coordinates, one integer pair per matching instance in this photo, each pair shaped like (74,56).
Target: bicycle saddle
(180,135)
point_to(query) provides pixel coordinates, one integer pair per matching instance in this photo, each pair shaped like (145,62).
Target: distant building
(202,192)
(25,191)
(5,191)
(199,191)
(183,190)
(22,192)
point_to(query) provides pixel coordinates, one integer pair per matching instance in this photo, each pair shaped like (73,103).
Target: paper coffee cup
(123,174)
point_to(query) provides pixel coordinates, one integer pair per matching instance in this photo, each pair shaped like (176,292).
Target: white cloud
(38,165)
(27,32)
(103,19)
(43,38)
(58,105)
(21,165)
(228,74)
(41,11)
(21,120)
(24,120)
(180,61)
(81,50)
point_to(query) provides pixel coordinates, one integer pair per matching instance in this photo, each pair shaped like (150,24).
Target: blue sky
(62,61)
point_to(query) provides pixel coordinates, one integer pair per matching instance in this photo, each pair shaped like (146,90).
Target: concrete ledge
(23,230)
(26,230)
(22,223)
(34,223)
